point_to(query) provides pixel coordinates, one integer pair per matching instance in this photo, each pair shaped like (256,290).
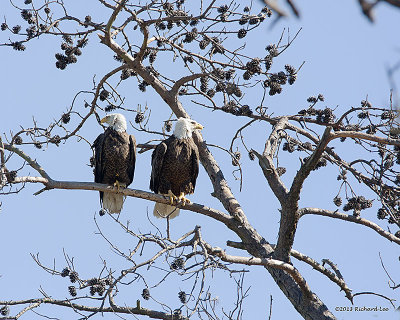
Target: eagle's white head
(116,121)
(184,128)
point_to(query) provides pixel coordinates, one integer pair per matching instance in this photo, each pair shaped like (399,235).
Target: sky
(346,58)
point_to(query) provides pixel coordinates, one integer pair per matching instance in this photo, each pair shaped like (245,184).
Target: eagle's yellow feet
(119,186)
(172,198)
(182,199)
(116,184)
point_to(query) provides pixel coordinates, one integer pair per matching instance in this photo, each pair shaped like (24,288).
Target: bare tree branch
(314,264)
(264,262)
(346,217)
(289,214)
(114,309)
(267,164)
(198,41)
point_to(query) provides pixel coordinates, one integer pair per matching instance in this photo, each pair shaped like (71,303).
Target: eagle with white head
(115,157)
(175,166)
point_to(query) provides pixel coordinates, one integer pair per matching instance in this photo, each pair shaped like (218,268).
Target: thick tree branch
(289,214)
(314,264)
(114,15)
(114,309)
(311,307)
(28,159)
(320,268)
(175,88)
(346,217)
(263,262)
(221,188)
(341,163)
(333,266)
(49,183)
(267,164)
(181,20)
(276,184)
(333,135)
(364,136)
(308,166)
(76,185)
(307,307)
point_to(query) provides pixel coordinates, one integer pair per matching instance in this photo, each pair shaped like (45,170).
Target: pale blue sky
(345,57)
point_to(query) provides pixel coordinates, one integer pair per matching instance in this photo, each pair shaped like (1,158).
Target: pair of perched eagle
(175,164)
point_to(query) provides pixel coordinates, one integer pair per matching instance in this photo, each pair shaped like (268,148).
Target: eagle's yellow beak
(199,126)
(104,120)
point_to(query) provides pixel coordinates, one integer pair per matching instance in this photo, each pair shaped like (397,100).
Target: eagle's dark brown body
(175,166)
(115,157)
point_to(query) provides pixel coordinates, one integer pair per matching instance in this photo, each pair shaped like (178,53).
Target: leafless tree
(215,74)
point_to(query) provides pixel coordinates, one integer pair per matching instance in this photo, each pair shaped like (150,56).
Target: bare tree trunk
(309,306)
(309,309)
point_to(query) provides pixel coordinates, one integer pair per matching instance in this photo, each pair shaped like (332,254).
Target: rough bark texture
(309,308)
(290,215)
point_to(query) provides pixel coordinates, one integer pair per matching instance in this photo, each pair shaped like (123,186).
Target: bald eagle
(115,157)
(175,166)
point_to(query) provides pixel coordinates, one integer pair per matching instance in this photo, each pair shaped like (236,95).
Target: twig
(376,294)
(387,273)
(270,308)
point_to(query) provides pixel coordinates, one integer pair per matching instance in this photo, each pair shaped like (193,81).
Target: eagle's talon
(116,184)
(183,200)
(119,185)
(113,146)
(169,174)
(172,198)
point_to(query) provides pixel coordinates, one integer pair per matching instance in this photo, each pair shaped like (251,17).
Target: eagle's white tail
(162,210)
(113,202)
